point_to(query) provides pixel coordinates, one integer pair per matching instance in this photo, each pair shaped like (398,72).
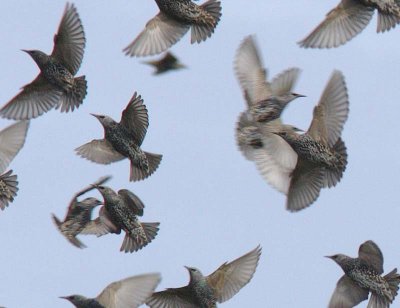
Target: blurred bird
(321,154)
(123,140)
(206,291)
(55,86)
(127,293)
(175,18)
(165,64)
(349,18)
(120,211)
(363,275)
(12,138)
(78,217)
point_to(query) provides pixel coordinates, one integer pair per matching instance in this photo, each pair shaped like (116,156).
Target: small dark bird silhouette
(123,140)
(78,218)
(120,211)
(12,139)
(167,63)
(175,18)
(363,275)
(206,291)
(55,86)
(130,292)
(348,19)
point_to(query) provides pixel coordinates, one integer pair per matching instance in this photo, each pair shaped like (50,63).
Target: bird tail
(73,99)
(333,176)
(9,188)
(393,279)
(210,17)
(136,241)
(72,239)
(388,19)
(138,172)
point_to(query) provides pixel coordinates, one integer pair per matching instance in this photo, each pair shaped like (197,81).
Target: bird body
(165,64)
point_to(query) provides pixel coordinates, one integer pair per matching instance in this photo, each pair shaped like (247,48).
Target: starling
(124,139)
(172,22)
(348,19)
(363,275)
(12,139)
(165,64)
(321,153)
(120,211)
(55,86)
(78,217)
(130,292)
(206,291)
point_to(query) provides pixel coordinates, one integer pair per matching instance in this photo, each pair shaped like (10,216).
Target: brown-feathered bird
(123,140)
(167,63)
(55,86)
(349,18)
(12,139)
(363,275)
(78,219)
(206,291)
(175,18)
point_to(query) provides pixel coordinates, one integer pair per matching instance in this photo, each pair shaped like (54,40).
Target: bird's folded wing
(99,151)
(132,201)
(372,255)
(229,278)
(101,225)
(341,24)
(160,33)
(69,42)
(172,298)
(36,98)
(347,294)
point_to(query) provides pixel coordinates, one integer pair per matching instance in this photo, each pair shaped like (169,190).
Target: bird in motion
(348,19)
(120,212)
(206,291)
(362,276)
(12,139)
(130,292)
(55,86)
(167,63)
(123,140)
(78,218)
(175,18)
(321,155)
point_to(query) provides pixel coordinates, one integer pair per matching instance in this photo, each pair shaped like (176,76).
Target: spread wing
(347,294)
(370,253)
(172,298)
(99,151)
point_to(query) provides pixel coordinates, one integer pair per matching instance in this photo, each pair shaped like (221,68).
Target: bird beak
(27,51)
(64,297)
(299,95)
(95,115)
(330,257)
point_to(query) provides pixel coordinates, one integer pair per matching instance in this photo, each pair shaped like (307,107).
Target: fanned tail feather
(331,176)
(135,242)
(73,99)
(201,31)
(387,21)
(138,172)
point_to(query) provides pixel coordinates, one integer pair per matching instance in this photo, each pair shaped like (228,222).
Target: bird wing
(12,138)
(101,225)
(347,294)
(305,185)
(99,151)
(160,33)
(372,255)
(229,278)
(135,118)
(133,201)
(245,123)
(130,292)
(172,298)
(250,71)
(341,24)
(69,42)
(284,82)
(36,98)
(331,112)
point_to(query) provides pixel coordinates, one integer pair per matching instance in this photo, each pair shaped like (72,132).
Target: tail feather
(73,99)
(8,188)
(211,16)
(135,242)
(138,173)
(387,21)
(393,279)
(333,176)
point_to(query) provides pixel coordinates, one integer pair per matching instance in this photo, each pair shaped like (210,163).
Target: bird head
(195,274)
(340,259)
(91,202)
(104,190)
(103,119)
(77,300)
(40,57)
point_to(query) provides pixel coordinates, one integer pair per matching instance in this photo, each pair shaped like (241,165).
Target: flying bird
(130,292)
(321,153)
(206,291)
(120,211)
(12,139)
(175,18)
(55,86)
(167,63)
(349,18)
(123,140)
(78,218)
(362,276)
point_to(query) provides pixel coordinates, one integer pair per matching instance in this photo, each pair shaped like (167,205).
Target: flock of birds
(295,162)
